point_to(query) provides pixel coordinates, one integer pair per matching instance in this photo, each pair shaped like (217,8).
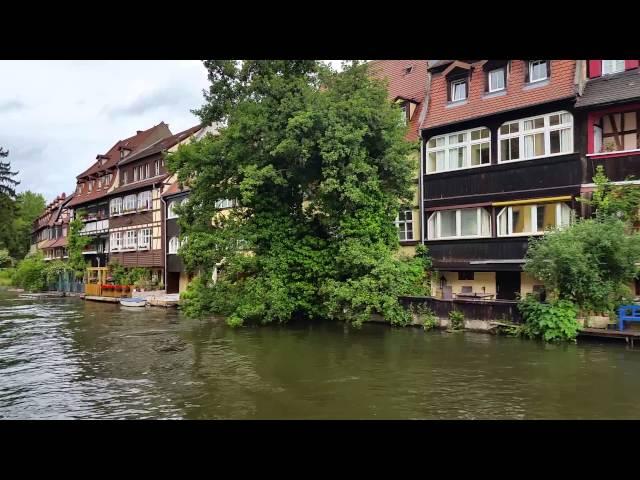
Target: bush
(456,320)
(31,273)
(552,321)
(429,319)
(6,260)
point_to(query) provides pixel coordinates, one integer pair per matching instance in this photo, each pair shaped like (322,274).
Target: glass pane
(432,143)
(431,162)
(521,219)
(485,223)
(502,222)
(566,141)
(554,120)
(457,157)
(534,145)
(554,139)
(469,222)
(566,118)
(496,79)
(484,133)
(431,226)
(475,135)
(545,217)
(480,153)
(504,129)
(448,223)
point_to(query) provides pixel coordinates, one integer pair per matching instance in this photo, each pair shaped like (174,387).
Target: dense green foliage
(318,163)
(138,276)
(456,320)
(552,321)
(6,260)
(76,244)
(6,277)
(617,201)
(33,273)
(16,211)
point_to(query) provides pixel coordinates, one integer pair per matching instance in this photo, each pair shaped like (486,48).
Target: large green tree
(318,163)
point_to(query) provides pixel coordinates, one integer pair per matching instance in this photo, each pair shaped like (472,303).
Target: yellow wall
(183,282)
(481,279)
(527,282)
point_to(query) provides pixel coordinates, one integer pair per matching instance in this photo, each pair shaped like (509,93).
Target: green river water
(69,359)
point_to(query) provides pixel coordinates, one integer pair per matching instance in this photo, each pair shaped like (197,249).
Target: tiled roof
(560,86)
(135,142)
(409,86)
(175,189)
(135,185)
(610,89)
(160,145)
(58,242)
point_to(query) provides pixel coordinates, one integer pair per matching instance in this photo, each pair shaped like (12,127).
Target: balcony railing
(95,227)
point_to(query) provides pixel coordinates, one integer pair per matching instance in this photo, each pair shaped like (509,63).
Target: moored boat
(133,302)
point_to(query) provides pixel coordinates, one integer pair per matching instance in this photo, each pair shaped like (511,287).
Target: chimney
(138,132)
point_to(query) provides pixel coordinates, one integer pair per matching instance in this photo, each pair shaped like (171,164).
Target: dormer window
(610,67)
(538,70)
(496,79)
(124,152)
(458,89)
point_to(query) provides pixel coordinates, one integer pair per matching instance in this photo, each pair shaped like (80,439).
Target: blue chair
(628,313)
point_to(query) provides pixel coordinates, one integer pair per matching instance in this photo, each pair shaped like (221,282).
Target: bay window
(546,135)
(612,66)
(616,132)
(461,223)
(144,200)
(130,240)
(129,203)
(115,241)
(470,148)
(532,219)
(404,222)
(115,206)
(144,239)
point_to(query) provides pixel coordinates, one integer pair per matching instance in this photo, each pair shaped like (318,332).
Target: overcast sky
(56,116)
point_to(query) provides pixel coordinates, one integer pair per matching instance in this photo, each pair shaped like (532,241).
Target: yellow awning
(533,200)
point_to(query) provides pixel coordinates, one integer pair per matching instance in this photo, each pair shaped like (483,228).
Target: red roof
(160,146)
(174,188)
(561,85)
(138,141)
(407,80)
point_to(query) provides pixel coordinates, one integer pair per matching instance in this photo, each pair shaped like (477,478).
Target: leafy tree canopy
(319,166)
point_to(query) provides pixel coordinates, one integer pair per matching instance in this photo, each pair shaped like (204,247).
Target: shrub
(6,260)
(31,273)
(429,319)
(456,320)
(552,321)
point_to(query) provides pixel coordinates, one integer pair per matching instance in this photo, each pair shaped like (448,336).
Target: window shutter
(629,64)
(526,70)
(548,69)
(595,68)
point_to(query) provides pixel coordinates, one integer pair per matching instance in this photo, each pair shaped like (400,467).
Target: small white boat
(133,302)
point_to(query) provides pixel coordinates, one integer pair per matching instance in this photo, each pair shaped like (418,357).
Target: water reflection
(64,358)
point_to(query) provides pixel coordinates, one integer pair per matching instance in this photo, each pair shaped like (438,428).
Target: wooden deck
(630,336)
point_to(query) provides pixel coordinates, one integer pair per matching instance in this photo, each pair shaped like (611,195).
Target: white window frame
(144,201)
(609,67)
(130,240)
(115,241)
(144,239)
(129,203)
(532,64)
(157,167)
(503,76)
(146,170)
(546,130)
(171,212)
(534,219)
(174,245)
(404,224)
(453,85)
(224,203)
(135,174)
(446,146)
(115,207)
(125,178)
(434,223)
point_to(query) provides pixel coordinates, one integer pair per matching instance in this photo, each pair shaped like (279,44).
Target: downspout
(163,229)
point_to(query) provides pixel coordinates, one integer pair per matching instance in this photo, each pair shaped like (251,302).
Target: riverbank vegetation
(587,268)
(319,166)
(34,274)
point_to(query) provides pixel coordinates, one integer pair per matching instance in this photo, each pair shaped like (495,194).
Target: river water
(69,359)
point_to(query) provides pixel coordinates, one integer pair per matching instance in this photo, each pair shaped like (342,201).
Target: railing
(93,227)
(486,310)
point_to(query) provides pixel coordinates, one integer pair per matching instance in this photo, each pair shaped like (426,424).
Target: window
(471,148)
(115,206)
(546,135)
(532,219)
(537,70)
(226,203)
(458,90)
(135,174)
(144,239)
(125,180)
(146,170)
(403,113)
(173,245)
(462,223)
(496,79)
(115,241)
(129,203)
(144,200)
(172,209)
(612,66)
(466,276)
(90,186)
(404,222)
(130,240)
(617,132)
(157,168)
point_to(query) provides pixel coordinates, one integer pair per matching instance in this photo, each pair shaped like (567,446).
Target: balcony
(91,228)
